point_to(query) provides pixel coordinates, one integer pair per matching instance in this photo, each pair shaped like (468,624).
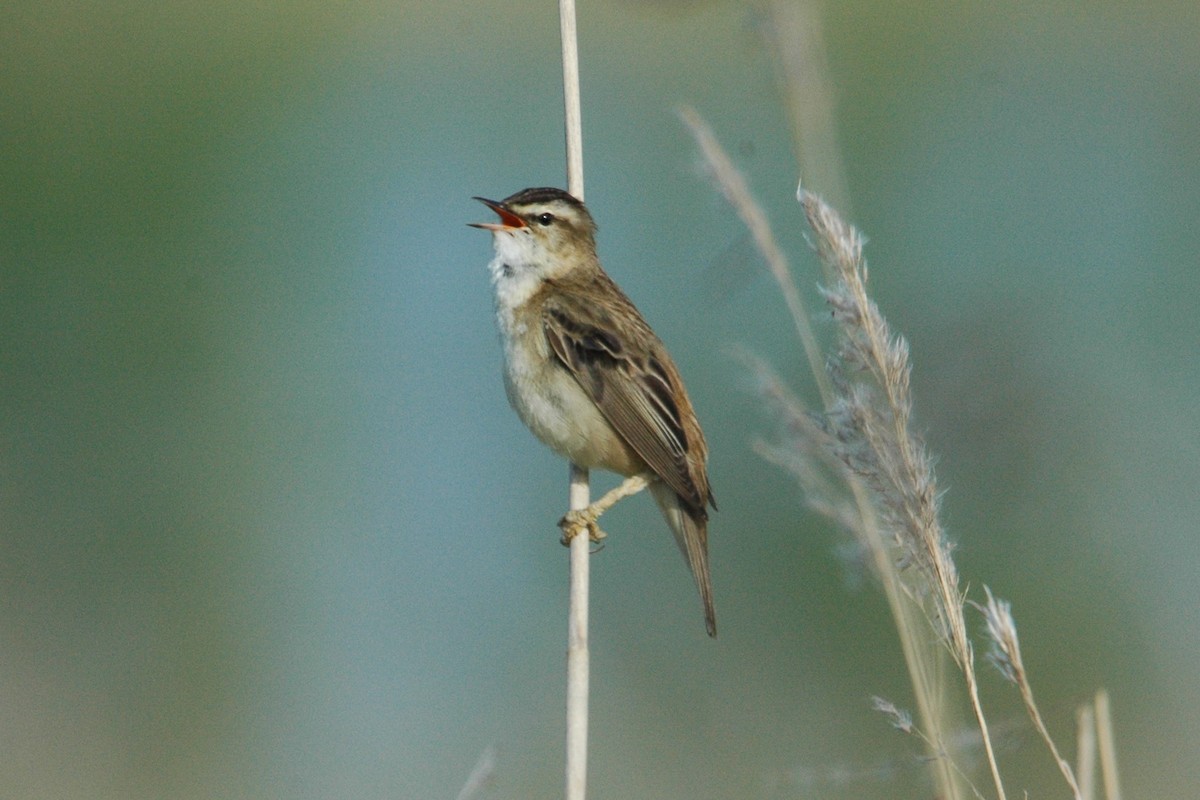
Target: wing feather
(626,371)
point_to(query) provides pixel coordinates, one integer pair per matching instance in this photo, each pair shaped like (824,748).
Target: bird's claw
(575,523)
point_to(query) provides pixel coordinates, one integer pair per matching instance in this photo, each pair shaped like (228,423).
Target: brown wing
(600,337)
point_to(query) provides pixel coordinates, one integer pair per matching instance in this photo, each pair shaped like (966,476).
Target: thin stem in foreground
(481,775)
(737,193)
(1085,751)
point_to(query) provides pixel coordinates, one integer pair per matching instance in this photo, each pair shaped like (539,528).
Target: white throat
(516,275)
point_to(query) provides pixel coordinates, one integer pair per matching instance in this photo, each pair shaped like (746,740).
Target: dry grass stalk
(1108,749)
(1005,654)
(1094,722)
(857,508)
(1085,750)
(870,422)
(482,775)
(867,428)
(793,33)
(893,505)
(864,442)
(733,186)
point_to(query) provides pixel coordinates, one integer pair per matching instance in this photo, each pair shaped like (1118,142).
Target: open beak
(508,220)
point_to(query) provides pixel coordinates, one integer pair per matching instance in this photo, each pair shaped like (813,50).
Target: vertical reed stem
(578,496)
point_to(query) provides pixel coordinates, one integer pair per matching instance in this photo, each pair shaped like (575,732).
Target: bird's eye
(545,218)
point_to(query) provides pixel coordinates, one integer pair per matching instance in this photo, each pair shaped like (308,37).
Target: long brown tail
(691,534)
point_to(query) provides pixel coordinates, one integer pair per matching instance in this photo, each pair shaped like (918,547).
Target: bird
(589,377)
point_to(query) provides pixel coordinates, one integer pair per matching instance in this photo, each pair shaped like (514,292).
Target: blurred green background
(269,529)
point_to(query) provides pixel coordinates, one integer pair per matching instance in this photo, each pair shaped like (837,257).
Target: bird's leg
(585,519)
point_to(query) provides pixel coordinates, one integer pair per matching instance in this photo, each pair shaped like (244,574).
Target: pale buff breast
(553,405)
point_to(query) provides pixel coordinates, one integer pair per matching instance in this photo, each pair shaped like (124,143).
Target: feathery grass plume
(967,740)
(1005,654)
(870,424)
(901,719)
(802,448)
(861,465)
(812,451)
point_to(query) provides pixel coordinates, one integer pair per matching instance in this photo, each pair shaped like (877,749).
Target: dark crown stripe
(542,194)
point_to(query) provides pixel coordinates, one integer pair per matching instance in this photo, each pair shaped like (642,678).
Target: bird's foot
(587,519)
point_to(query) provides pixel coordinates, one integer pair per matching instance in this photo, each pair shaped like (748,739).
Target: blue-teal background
(268,528)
